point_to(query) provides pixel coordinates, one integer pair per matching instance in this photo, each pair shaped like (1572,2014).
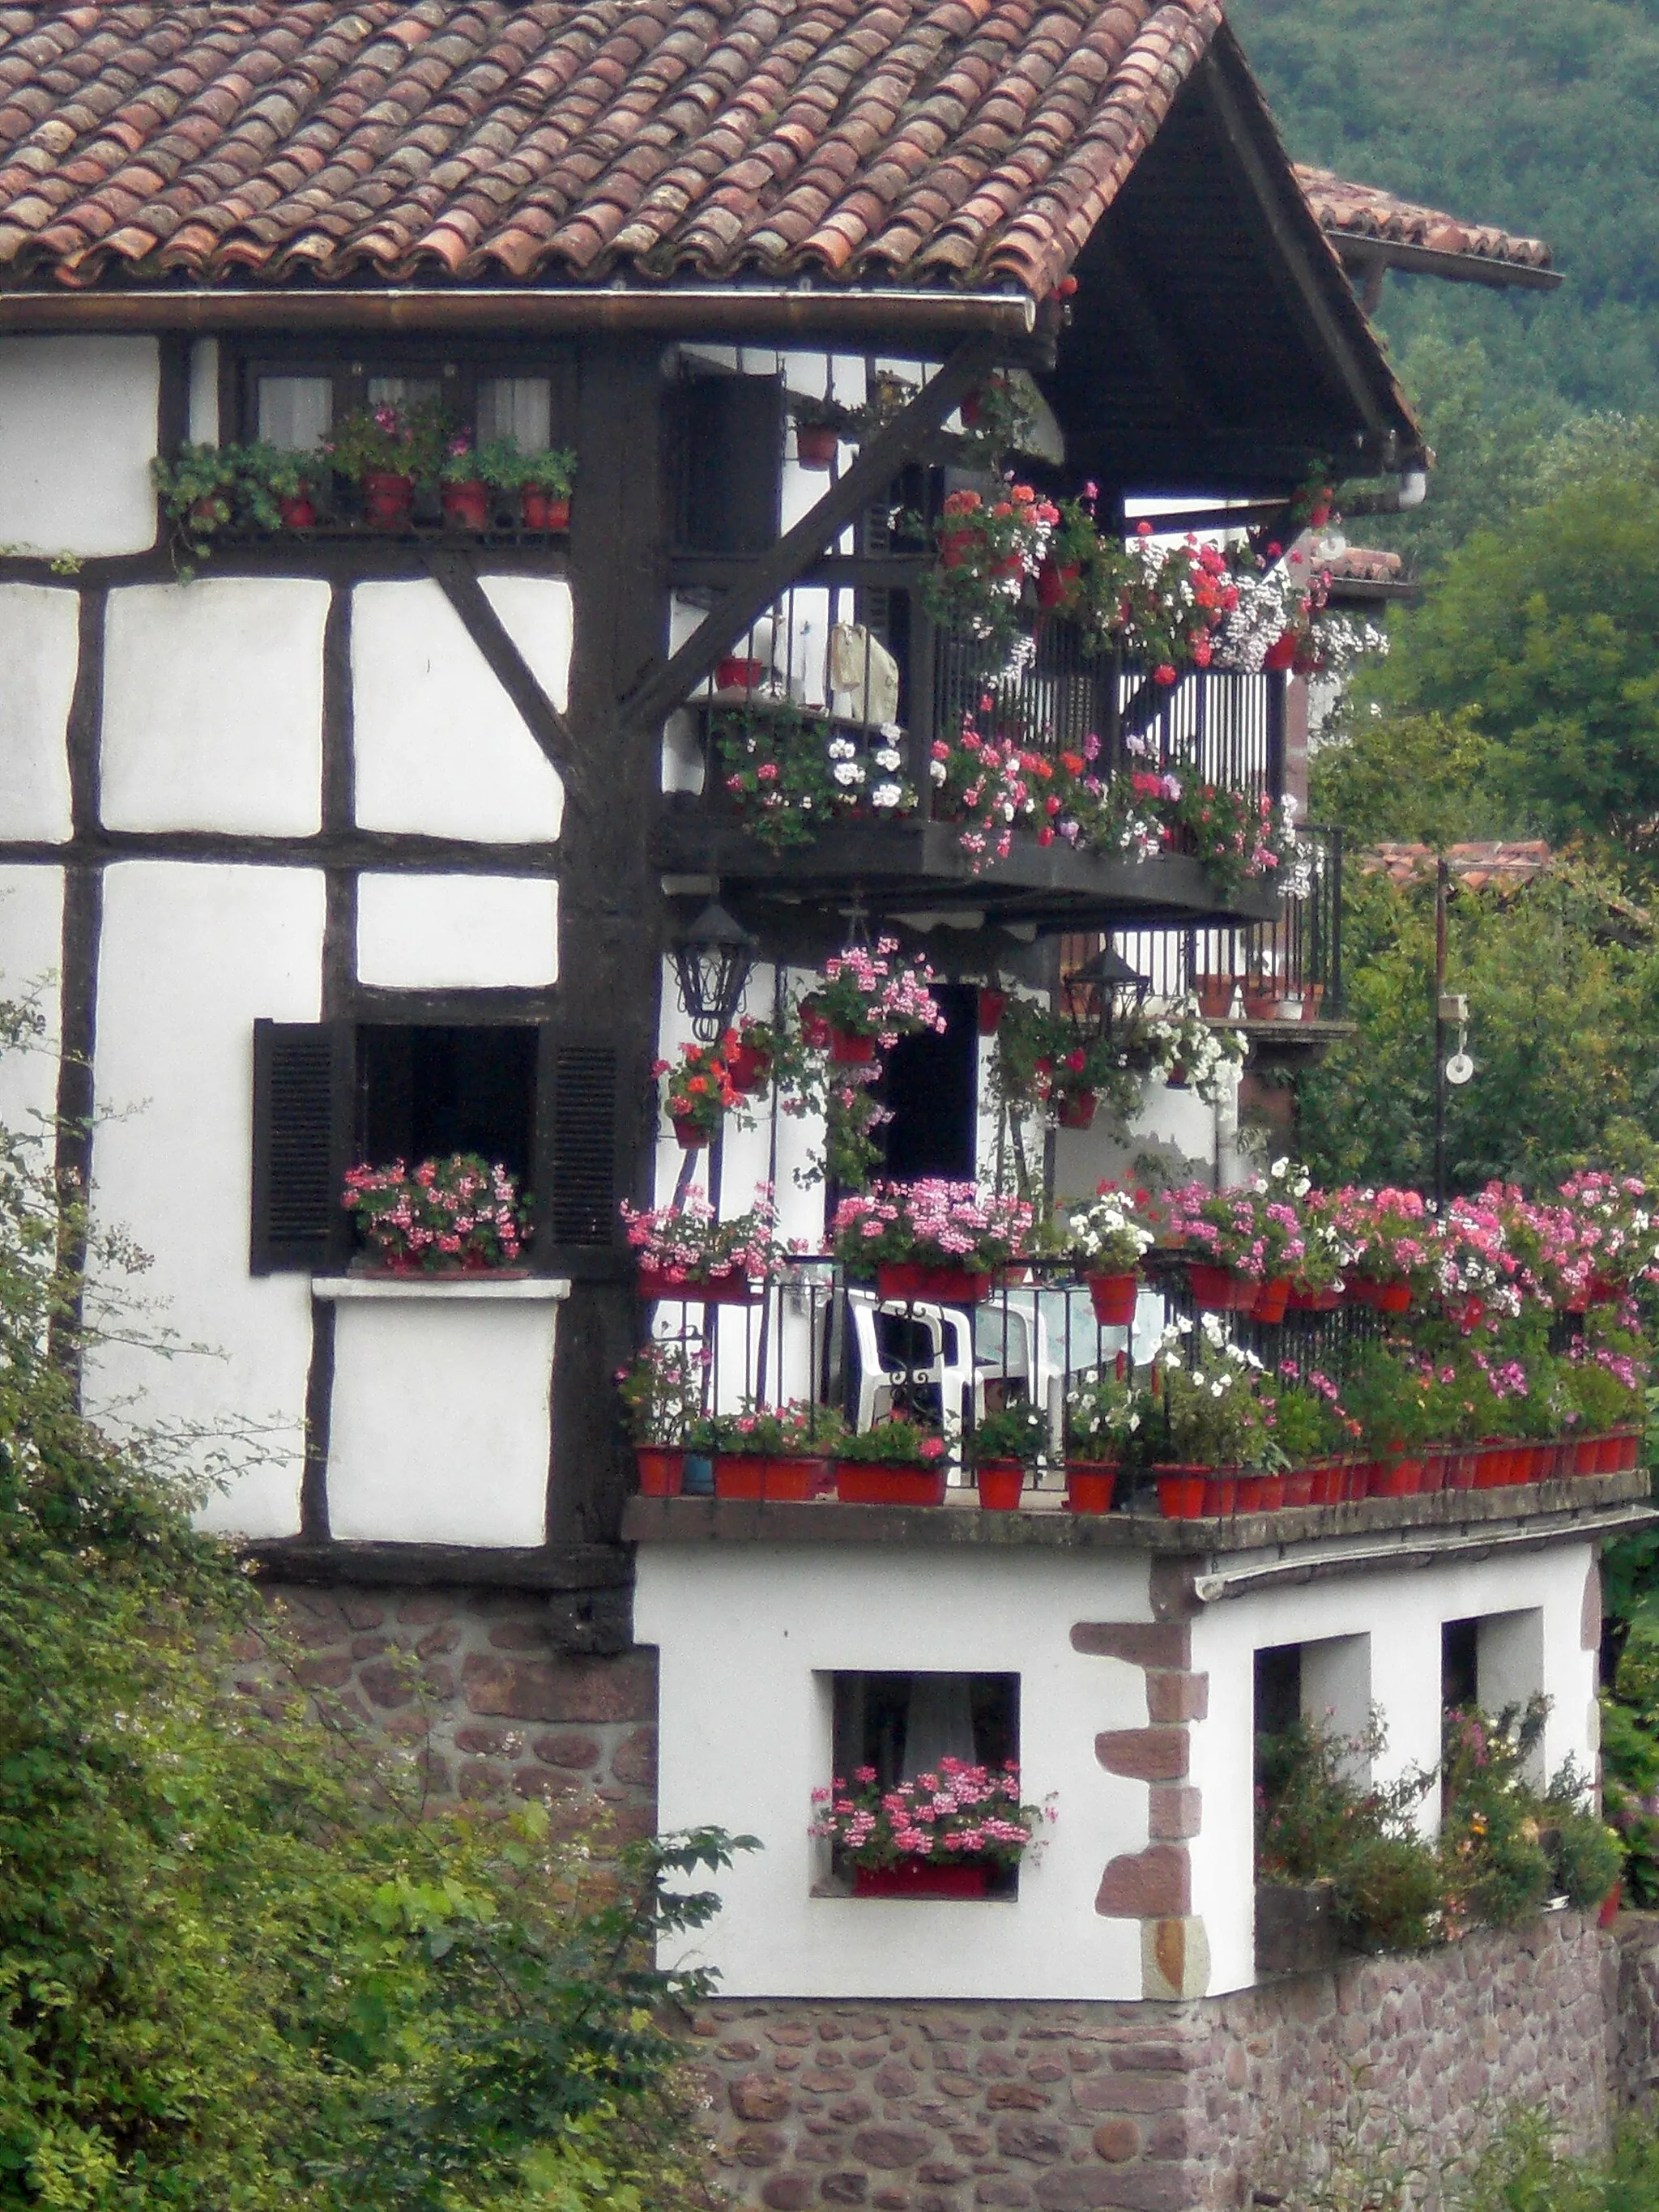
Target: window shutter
(302,1106)
(582,1151)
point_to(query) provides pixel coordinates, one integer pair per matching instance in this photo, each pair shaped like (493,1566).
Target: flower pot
(691,1135)
(699,1476)
(1607,1910)
(816,444)
(1394,1297)
(728,1288)
(297,512)
(1586,1455)
(1217,1290)
(1181,1492)
(991,1003)
(1312,997)
(1000,1482)
(388,500)
(1397,1478)
(735,673)
(1303,1300)
(1325,1484)
(1176,1077)
(558,513)
(1220,1493)
(1089,1486)
(850,1048)
(1271,1299)
(899,1281)
(1604,1291)
(1054,583)
(1432,1478)
(1215,996)
(1492,1467)
(661,1472)
(790,1480)
(466,505)
(532,507)
(876,1482)
(1630,1451)
(814,1030)
(740,1474)
(1113,1298)
(1077,1110)
(956,546)
(748,1067)
(1261,1002)
(1298,1487)
(1461,1468)
(920,1878)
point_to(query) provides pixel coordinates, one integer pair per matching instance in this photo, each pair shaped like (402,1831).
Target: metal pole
(1439,1035)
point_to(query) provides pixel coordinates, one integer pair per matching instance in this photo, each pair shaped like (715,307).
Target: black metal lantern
(1103,996)
(711,961)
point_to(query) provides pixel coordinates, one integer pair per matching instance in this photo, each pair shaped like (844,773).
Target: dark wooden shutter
(727,433)
(582,1144)
(301,1109)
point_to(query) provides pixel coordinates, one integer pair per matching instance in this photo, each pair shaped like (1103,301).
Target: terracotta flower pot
(661,1472)
(737,673)
(1300,1299)
(1217,1290)
(1271,1300)
(740,1474)
(876,1482)
(1077,1110)
(558,513)
(1215,995)
(298,512)
(1090,1485)
(790,1480)
(691,1135)
(1000,1482)
(388,500)
(749,1068)
(816,444)
(920,1878)
(532,507)
(1113,1298)
(1397,1478)
(898,1281)
(1181,1492)
(991,1003)
(849,1048)
(1298,1487)
(466,505)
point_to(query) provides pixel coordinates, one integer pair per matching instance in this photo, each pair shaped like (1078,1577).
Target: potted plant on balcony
(986,550)
(1236,836)
(462,488)
(698,1092)
(809,1438)
(819,427)
(544,481)
(1216,1422)
(685,1251)
(387,451)
(459,1215)
(1005,1449)
(1245,1238)
(1105,1426)
(930,1239)
(897,1462)
(789,773)
(1394,1249)
(208,489)
(661,1390)
(941,1835)
(1181,1038)
(1107,1237)
(870,998)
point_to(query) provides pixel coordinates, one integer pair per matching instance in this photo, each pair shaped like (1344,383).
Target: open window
(328,1094)
(930,1085)
(727,439)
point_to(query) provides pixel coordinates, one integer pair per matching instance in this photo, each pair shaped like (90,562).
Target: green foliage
(1419,778)
(1317,1821)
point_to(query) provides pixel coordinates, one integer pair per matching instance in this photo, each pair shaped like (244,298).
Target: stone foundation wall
(1157,2107)
(473,1683)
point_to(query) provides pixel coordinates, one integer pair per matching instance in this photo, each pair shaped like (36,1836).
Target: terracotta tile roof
(1346,210)
(972,143)
(1488,866)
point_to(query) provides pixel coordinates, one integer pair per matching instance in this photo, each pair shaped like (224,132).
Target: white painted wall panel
(31,946)
(744,1630)
(457,932)
(190,957)
(439,1432)
(39,653)
(442,750)
(77,435)
(536,613)
(213,706)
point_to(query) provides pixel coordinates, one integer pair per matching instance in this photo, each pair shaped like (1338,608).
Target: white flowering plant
(789,773)
(1105,1416)
(1108,1234)
(1208,1054)
(1216,1410)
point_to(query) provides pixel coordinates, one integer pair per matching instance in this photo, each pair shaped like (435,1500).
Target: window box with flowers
(897,1462)
(789,773)
(455,1215)
(784,1453)
(930,1239)
(944,1834)
(686,1252)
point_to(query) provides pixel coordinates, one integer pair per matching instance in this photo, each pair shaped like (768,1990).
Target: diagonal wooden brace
(457,577)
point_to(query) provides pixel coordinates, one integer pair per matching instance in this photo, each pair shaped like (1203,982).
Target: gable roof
(1373,229)
(960,142)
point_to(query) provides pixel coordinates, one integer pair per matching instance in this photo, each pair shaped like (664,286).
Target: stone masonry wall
(473,1681)
(1152,2107)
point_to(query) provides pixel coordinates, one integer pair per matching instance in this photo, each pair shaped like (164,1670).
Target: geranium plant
(1207,1055)
(932,1223)
(1109,1233)
(1253,1229)
(688,1243)
(388,441)
(878,993)
(459,1212)
(661,1390)
(787,773)
(697,1088)
(1215,1411)
(1105,1416)
(893,1443)
(1017,1432)
(1236,836)
(960,1815)
(987,548)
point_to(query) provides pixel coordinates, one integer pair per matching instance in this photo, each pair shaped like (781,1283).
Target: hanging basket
(1077,1110)
(991,1006)
(691,1135)
(851,1047)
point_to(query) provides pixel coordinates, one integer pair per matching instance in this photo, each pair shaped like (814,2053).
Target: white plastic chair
(952,1371)
(1011,1338)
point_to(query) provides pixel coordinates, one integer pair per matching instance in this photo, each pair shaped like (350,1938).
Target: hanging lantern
(1103,997)
(711,961)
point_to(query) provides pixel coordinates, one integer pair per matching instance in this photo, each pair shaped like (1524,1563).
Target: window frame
(459,368)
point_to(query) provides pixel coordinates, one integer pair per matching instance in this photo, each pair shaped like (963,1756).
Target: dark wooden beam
(457,577)
(664,688)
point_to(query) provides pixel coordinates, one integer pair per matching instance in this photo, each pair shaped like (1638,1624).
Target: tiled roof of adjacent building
(1354,214)
(1488,864)
(971,142)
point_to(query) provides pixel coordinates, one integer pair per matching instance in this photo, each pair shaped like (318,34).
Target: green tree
(1423,778)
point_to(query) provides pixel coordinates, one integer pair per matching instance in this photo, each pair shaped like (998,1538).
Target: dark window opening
(930,1085)
(727,435)
(1277,1701)
(426,1091)
(903,1725)
(1460,1664)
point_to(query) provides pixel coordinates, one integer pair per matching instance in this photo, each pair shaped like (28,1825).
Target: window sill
(541,1289)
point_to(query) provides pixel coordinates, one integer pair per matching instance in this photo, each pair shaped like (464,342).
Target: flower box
(716,1290)
(1217,1290)
(738,672)
(897,1282)
(794,1480)
(871,1482)
(920,1878)
(1303,1300)
(1000,1482)
(661,1472)
(1090,1485)
(739,1475)
(1113,1298)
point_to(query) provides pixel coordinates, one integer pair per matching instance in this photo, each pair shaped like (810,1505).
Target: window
(292,399)
(930,1085)
(903,1724)
(1493,1661)
(328,1094)
(727,445)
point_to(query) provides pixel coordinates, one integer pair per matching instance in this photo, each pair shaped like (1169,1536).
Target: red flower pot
(297,512)
(1586,1455)
(898,1281)
(848,1049)
(991,1003)
(1054,583)
(1000,1482)
(792,1481)
(691,1135)
(739,1475)
(748,1067)
(661,1473)
(1271,1300)
(1220,1493)
(1432,1479)
(388,500)
(1607,1911)
(1181,1492)
(1305,1301)
(920,1878)
(737,673)
(1325,1484)
(1077,1110)
(1462,1466)
(532,507)
(1089,1486)
(728,1288)
(816,445)
(1389,1297)
(872,1482)
(558,514)
(1113,1298)
(1215,995)
(1217,1290)
(1397,1478)
(1281,653)
(466,505)
(956,547)
(1175,1079)
(1298,1487)
(1492,1469)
